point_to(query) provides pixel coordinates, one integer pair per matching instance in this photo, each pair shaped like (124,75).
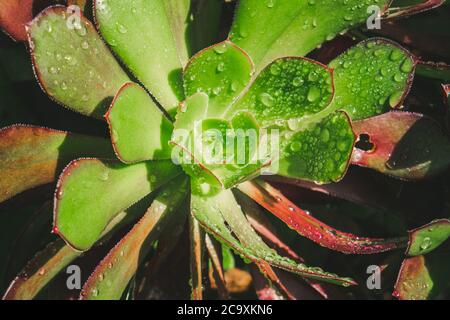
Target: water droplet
(426,243)
(121,28)
(266,99)
(313,94)
(296,146)
(325,135)
(297,82)
(220,67)
(85,45)
(275,70)
(407,65)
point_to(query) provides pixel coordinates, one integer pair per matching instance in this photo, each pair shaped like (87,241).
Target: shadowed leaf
(311,228)
(427,238)
(40,271)
(90,192)
(33,156)
(423,277)
(405,145)
(222,217)
(111,276)
(197,258)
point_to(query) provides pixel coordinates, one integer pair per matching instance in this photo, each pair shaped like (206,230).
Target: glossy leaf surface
(405,145)
(72,63)
(33,156)
(111,276)
(271,29)
(139,130)
(155,56)
(90,192)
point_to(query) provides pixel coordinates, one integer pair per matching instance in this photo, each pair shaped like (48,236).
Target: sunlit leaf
(111,276)
(90,192)
(72,63)
(139,130)
(157,55)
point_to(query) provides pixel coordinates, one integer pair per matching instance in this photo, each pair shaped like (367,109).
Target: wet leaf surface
(71,62)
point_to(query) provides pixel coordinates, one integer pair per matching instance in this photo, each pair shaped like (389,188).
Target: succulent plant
(181,110)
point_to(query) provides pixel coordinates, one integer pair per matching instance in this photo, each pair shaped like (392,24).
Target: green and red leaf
(405,145)
(91,192)
(33,156)
(313,229)
(71,62)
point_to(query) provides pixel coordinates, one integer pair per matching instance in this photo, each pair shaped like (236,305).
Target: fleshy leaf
(57,255)
(320,152)
(221,216)
(434,70)
(313,229)
(198,140)
(291,87)
(427,238)
(90,192)
(111,276)
(149,37)
(15,14)
(197,255)
(215,254)
(33,156)
(405,145)
(291,95)
(371,78)
(72,63)
(40,271)
(139,130)
(415,8)
(271,29)
(423,277)
(221,72)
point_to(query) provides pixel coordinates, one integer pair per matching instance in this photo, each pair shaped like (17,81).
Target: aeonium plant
(198,138)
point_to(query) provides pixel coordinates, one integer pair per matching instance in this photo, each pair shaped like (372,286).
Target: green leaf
(405,145)
(48,263)
(291,95)
(427,238)
(271,29)
(320,152)
(139,130)
(222,72)
(91,192)
(149,37)
(40,271)
(72,63)
(371,78)
(423,277)
(111,276)
(221,216)
(33,156)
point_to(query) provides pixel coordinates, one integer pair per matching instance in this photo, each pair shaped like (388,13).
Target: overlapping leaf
(90,192)
(34,156)
(405,145)
(221,215)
